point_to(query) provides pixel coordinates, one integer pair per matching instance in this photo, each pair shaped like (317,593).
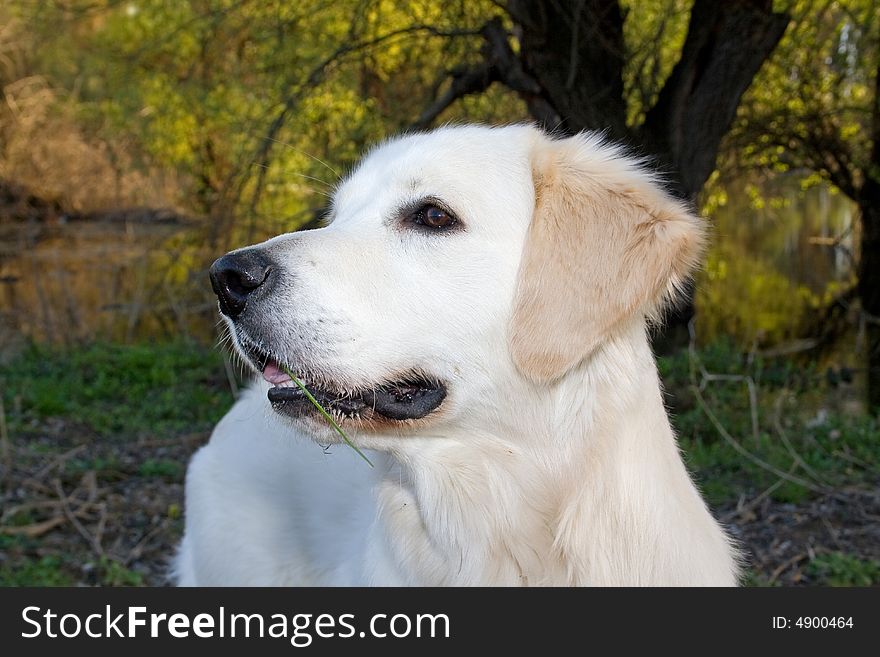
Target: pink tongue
(274,375)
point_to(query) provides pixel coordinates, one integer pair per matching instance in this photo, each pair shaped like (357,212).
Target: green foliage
(101,465)
(46,571)
(120,390)
(739,295)
(840,569)
(231,96)
(161,468)
(841,449)
(654,32)
(113,573)
(53,570)
(196,87)
(810,105)
(752,578)
(766,275)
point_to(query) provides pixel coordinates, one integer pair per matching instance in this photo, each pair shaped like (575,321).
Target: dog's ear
(605,242)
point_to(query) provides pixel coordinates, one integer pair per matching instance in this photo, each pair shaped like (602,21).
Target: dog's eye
(433,217)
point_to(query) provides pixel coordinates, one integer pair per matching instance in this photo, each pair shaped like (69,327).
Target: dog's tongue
(273,374)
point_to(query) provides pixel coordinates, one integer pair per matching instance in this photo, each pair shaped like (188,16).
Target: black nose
(236,276)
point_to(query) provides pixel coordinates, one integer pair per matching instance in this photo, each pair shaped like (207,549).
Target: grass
(59,570)
(112,392)
(827,449)
(118,390)
(161,468)
(45,571)
(326,415)
(839,569)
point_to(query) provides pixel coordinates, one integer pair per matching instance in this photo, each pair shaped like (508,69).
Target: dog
(475,318)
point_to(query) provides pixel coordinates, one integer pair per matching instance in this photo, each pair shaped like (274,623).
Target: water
(768,272)
(117,280)
(771,269)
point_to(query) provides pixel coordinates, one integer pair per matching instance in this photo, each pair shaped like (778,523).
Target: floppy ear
(605,242)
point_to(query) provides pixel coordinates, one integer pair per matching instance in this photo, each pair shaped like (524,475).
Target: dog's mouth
(411,397)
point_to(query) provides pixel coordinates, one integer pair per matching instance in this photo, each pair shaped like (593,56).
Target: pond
(120,280)
(778,255)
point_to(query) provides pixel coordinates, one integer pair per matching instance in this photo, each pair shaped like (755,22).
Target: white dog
(474,316)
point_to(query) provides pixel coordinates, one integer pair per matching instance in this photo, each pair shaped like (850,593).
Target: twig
(90,481)
(5,448)
(138,549)
(744,452)
(27,506)
(36,484)
(785,565)
(71,516)
(844,454)
(752,387)
(697,389)
(102,523)
(741,509)
(57,461)
(36,529)
(777,424)
(833,533)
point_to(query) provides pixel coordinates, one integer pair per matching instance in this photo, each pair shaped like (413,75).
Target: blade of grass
(326,415)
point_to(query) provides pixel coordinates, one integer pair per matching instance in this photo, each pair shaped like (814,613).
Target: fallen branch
(777,424)
(58,461)
(71,516)
(698,387)
(36,529)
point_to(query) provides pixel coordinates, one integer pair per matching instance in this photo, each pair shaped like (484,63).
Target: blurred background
(140,139)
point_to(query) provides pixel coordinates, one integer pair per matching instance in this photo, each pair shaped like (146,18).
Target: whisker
(309,155)
(323,182)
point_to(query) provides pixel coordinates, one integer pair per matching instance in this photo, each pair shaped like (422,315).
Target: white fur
(512,482)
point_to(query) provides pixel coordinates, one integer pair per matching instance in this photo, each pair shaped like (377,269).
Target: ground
(96,440)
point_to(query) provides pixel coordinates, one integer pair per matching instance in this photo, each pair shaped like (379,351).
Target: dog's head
(454,263)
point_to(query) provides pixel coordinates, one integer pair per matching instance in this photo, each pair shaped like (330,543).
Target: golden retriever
(475,318)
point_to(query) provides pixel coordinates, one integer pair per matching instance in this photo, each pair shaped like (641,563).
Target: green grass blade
(326,415)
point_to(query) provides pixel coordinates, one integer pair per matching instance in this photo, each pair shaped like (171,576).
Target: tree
(244,99)
(576,70)
(818,107)
(570,68)
(241,101)
(217,84)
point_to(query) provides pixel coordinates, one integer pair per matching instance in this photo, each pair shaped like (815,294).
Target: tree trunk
(576,52)
(726,44)
(869,284)
(569,71)
(869,257)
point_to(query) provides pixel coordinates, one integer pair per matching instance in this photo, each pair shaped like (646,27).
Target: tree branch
(499,64)
(295,93)
(872,174)
(575,52)
(726,44)
(465,81)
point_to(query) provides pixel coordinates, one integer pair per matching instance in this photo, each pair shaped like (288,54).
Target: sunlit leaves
(196,85)
(654,32)
(810,104)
